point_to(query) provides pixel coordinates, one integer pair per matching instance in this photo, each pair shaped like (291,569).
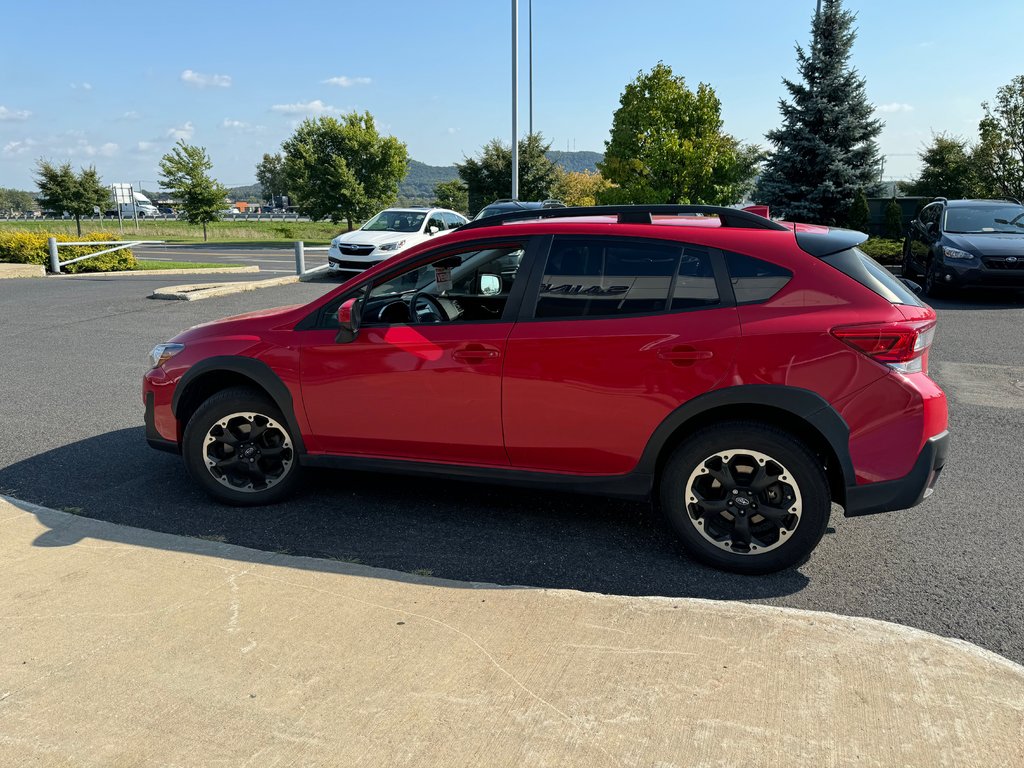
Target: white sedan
(388,233)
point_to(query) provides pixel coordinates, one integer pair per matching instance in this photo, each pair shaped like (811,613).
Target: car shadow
(979,298)
(442,528)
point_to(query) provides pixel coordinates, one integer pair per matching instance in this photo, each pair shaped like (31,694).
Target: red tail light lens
(902,346)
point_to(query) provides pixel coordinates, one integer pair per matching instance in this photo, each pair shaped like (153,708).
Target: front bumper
(153,437)
(989,272)
(906,492)
(342,263)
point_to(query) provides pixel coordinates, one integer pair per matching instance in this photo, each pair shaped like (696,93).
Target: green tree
(667,146)
(16,200)
(825,151)
(578,187)
(452,195)
(271,177)
(893,228)
(859,217)
(948,169)
(343,169)
(489,176)
(62,190)
(185,173)
(999,154)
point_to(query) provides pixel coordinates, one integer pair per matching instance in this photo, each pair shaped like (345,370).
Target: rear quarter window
(854,263)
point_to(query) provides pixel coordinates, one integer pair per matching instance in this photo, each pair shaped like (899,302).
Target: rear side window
(613,278)
(853,262)
(754,280)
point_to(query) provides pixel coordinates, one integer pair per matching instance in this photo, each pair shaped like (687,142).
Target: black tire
(801,482)
(272,453)
(908,269)
(933,288)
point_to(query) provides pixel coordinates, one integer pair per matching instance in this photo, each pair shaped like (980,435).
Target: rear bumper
(907,491)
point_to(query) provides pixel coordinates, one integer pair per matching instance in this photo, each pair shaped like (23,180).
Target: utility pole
(531,65)
(515,99)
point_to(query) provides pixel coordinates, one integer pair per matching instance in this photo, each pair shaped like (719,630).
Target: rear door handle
(683,356)
(475,353)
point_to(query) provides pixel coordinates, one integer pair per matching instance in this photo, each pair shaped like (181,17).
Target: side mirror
(914,287)
(490,285)
(348,321)
(433,230)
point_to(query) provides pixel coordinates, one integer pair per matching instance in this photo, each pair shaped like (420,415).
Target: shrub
(21,247)
(883,250)
(860,214)
(893,220)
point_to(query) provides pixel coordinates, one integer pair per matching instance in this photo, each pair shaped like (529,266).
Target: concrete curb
(226,270)
(200,291)
(18,271)
(262,657)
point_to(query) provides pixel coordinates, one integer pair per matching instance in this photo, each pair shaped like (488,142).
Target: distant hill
(575,162)
(420,180)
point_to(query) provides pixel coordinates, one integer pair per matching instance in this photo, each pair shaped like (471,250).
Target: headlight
(161,353)
(391,246)
(956,253)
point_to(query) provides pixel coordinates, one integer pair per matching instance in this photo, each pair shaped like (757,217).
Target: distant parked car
(389,232)
(508,206)
(165,211)
(966,243)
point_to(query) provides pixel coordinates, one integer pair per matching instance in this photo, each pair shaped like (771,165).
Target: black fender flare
(257,371)
(809,406)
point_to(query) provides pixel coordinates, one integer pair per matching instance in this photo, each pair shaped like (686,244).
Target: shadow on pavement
(978,298)
(446,529)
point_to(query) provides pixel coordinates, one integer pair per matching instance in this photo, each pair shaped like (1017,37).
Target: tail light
(901,346)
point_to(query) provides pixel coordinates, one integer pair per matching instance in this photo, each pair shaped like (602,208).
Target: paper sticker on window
(443,278)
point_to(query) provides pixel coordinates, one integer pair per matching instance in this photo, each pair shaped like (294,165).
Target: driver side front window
(471,286)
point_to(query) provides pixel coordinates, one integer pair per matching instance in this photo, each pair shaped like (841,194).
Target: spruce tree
(824,151)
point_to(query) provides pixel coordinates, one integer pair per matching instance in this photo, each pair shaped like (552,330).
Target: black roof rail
(939,200)
(634,214)
(1009,199)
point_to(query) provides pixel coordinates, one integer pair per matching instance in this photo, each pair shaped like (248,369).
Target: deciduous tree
(185,173)
(948,169)
(667,146)
(343,168)
(452,195)
(61,190)
(825,150)
(578,187)
(489,176)
(999,155)
(271,177)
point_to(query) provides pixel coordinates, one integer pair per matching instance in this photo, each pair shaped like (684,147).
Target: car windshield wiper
(1012,222)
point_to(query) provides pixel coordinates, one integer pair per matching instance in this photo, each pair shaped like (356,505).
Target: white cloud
(131,114)
(240,126)
(199,80)
(145,146)
(13,114)
(896,106)
(452,131)
(19,147)
(83,86)
(182,132)
(347,82)
(228,123)
(315,107)
(109,149)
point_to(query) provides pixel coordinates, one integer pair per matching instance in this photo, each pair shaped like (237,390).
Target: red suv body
(743,373)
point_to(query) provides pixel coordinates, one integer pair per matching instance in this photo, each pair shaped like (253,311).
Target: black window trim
(528,308)
(316,320)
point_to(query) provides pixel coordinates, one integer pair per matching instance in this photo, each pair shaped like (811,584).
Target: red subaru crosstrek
(743,373)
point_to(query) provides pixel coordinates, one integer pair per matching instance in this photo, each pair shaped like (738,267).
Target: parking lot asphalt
(73,354)
(272,260)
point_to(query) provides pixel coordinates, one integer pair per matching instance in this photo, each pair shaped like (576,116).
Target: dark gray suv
(966,243)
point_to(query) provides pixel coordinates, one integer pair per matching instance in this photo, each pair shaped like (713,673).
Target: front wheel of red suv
(746,497)
(237,446)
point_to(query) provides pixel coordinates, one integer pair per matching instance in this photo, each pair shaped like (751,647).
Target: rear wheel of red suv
(746,497)
(237,446)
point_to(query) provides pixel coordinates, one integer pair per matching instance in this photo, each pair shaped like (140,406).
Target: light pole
(530,9)
(515,99)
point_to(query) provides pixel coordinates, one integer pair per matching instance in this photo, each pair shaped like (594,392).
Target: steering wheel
(427,308)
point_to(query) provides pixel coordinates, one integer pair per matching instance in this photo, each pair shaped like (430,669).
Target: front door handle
(682,356)
(475,353)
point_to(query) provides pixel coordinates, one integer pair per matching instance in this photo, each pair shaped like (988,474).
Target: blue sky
(114,86)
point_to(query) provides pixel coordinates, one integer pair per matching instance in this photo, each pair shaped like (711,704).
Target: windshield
(395,221)
(984,218)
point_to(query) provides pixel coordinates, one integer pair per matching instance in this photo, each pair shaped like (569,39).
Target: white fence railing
(56,263)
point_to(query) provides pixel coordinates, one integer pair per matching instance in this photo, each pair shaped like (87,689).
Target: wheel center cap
(248,451)
(742,501)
